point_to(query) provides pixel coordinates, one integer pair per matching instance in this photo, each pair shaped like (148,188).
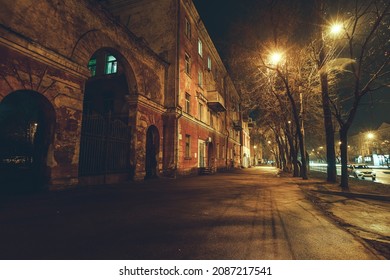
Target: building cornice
(26,46)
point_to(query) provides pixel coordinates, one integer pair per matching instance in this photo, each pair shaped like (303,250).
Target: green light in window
(92,66)
(111,64)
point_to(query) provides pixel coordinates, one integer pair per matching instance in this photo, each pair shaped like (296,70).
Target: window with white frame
(200,47)
(209,63)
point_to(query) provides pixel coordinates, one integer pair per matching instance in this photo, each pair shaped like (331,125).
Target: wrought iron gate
(104,147)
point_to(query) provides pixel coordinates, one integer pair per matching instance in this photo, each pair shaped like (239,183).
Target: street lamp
(255,155)
(275,58)
(335,28)
(370,135)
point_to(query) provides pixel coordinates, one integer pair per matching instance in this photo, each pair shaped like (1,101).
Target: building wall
(163,25)
(375,150)
(46,46)
(154,22)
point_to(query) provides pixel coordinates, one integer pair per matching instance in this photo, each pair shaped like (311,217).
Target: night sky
(220,16)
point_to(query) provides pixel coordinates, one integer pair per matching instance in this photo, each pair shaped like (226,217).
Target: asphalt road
(248,214)
(382,174)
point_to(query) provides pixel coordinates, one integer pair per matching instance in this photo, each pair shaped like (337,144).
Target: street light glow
(336,28)
(370,135)
(275,58)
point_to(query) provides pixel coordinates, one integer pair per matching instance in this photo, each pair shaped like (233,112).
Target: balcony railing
(215,101)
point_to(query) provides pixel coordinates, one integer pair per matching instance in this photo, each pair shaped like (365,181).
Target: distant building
(371,147)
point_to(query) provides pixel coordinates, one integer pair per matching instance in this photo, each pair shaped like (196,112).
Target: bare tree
(363,66)
(322,55)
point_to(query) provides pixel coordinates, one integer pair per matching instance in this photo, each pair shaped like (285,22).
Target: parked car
(361,171)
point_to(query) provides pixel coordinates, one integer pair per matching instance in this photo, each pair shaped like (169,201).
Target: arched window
(103,63)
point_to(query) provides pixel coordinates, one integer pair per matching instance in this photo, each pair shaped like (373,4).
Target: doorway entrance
(152,152)
(105,134)
(27,121)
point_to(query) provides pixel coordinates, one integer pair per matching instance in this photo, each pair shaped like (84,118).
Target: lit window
(188,64)
(111,64)
(187,28)
(187,152)
(188,103)
(92,66)
(200,78)
(200,47)
(209,63)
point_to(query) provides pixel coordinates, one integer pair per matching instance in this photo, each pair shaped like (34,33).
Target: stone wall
(46,46)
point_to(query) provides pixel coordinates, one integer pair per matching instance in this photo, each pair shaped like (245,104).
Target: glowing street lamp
(370,135)
(275,58)
(336,28)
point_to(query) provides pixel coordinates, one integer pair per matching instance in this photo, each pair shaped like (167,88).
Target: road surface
(382,174)
(248,214)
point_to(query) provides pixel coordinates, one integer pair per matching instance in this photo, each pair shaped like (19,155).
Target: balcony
(215,101)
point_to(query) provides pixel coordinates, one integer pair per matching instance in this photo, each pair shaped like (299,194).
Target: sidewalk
(364,211)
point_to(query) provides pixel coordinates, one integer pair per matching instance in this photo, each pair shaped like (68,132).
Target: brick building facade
(207,126)
(84,100)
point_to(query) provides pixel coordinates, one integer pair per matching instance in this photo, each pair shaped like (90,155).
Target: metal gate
(104,147)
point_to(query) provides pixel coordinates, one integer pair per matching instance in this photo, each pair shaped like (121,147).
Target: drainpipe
(226,125)
(177,89)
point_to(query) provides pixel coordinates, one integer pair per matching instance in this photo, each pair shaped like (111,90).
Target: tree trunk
(344,158)
(329,130)
(300,132)
(293,155)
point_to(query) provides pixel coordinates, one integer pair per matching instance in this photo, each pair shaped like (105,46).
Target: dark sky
(220,15)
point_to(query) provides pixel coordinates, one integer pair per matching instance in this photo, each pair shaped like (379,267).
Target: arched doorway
(27,121)
(152,151)
(105,133)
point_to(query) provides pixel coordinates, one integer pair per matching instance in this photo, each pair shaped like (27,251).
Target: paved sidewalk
(364,211)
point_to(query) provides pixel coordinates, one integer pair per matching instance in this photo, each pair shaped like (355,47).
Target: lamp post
(255,155)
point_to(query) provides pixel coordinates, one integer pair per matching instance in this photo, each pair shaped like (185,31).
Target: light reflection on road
(382,174)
